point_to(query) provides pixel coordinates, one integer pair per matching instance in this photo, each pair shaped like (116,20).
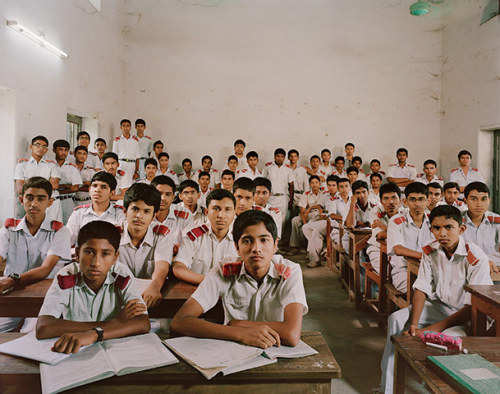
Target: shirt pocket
(237,308)
(272,308)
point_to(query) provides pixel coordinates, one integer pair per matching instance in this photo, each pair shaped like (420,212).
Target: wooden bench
(378,304)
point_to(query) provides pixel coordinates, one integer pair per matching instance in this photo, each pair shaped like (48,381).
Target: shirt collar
(81,281)
(272,272)
(32,159)
(228,236)
(148,238)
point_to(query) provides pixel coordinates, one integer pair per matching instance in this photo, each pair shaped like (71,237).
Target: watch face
(14,276)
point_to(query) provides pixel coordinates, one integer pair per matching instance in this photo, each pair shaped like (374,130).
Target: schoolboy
(206,165)
(36,165)
(407,233)
(157,149)
(251,171)
(187,166)
(111,163)
(440,302)
(375,169)
(263,189)
(189,193)
(82,196)
(203,247)
(310,210)
(326,165)
(349,149)
(339,167)
(402,174)
(100,146)
(31,247)
(429,174)
(301,177)
(390,198)
(360,208)
(352,174)
(204,182)
(232,163)
(94,299)
(163,169)
(227,180)
(375,184)
(435,195)
(146,249)
(338,208)
(93,160)
(243,191)
(239,153)
(145,144)
(258,274)
(316,170)
(101,190)
(70,180)
(358,162)
(126,148)
(465,174)
(150,170)
(451,193)
(482,227)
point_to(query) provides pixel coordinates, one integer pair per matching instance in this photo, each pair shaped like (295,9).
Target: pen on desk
(436,345)
(6,291)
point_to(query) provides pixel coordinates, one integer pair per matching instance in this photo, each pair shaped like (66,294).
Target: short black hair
(140,121)
(227,172)
(163,180)
(339,158)
(156,143)
(349,144)
(430,161)
(142,192)
(261,181)
(326,150)
(106,177)
(151,161)
(464,152)
(187,160)
(435,185)
(125,121)
(376,175)
(189,183)
(232,157)
(163,154)
(312,177)
(37,182)
(240,142)
(39,138)
(83,132)
(81,147)
(219,195)
(203,173)
(293,151)
(418,188)
(99,229)
(451,185)
(207,157)
(357,158)
(252,218)
(60,144)
(375,161)
(448,211)
(389,188)
(359,185)
(478,186)
(352,169)
(280,151)
(244,183)
(402,150)
(100,140)
(332,178)
(109,155)
(342,180)
(315,157)
(252,153)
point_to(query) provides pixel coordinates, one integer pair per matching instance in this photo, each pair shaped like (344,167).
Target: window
(73,127)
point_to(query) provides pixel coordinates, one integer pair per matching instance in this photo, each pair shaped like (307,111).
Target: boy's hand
(261,336)
(132,309)
(493,267)
(176,249)
(6,283)
(414,331)
(72,342)
(151,296)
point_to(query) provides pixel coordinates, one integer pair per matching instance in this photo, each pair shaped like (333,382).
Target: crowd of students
(127,214)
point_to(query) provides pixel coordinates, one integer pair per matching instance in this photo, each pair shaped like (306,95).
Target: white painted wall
(284,73)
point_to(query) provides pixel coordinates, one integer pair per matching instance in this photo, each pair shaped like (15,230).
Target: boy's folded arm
(182,272)
(401,250)
(459,318)
(41,272)
(152,294)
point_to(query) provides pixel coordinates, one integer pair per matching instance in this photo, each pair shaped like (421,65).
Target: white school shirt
(337,206)
(473,175)
(407,171)
(126,148)
(245,299)
(342,174)
(86,174)
(23,251)
(457,204)
(202,201)
(70,175)
(178,221)
(280,177)
(145,145)
(442,279)
(92,161)
(197,218)
(275,214)
(363,216)
(327,170)
(423,179)
(200,250)
(301,179)
(487,235)
(373,197)
(183,177)
(170,174)
(122,182)
(367,176)
(248,173)
(309,199)
(214,177)
(28,168)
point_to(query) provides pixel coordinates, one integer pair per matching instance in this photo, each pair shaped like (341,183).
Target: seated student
(239,153)
(482,227)
(390,198)
(189,193)
(100,146)
(352,174)
(315,163)
(257,276)
(205,189)
(93,160)
(402,174)
(339,167)
(94,299)
(375,169)
(102,188)
(314,231)
(243,191)
(440,302)
(300,181)
(251,171)
(465,174)
(310,210)
(375,184)
(150,170)
(206,165)
(358,162)
(338,208)
(360,208)
(82,196)
(110,162)
(157,149)
(227,180)
(146,247)
(349,154)
(31,248)
(232,163)
(407,233)
(263,190)
(203,247)
(163,159)
(435,195)
(429,174)
(451,192)
(187,166)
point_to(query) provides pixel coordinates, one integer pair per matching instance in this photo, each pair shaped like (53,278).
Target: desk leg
(478,322)
(357,281)
(399,373)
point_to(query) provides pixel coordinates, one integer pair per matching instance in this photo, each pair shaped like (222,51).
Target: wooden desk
(413,266)
(306,374)
(485,301)
(358,240)
(410,351)
(27,302)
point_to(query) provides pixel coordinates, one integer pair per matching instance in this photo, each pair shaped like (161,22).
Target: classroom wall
(284,73)
(470,85)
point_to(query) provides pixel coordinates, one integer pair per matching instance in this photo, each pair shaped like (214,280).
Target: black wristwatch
(100,333)
(16,277)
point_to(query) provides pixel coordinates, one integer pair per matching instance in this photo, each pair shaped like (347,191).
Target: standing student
(338,208)
(145,144)
(93,159)
(126,147)
(205,189)
(150,170)
(465,174)
(301,178)
(163,169)
(111,163)
(204,247)
(349,149)
(429,174)
(32,247)
(95,299)
(100,146)
(254,279)
(82,196)
(157,149)
(375,184)
(251,171)
(263,189)
(187,166)
(375,169)
(206,165)
(243,191)
(402,174)
(451,193)
(326,165)
(339,167)
(227,180)
(189,193)
(435,195)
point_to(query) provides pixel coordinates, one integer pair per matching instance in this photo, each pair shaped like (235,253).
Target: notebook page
(301,350)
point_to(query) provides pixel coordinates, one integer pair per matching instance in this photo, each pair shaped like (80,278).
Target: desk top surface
(489,293)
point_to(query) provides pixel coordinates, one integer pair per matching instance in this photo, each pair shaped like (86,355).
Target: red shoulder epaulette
(269,163)
(473,260)
(308,192)
(197,232)
(410,165)
(148,137)
(440,179)
(288,165)
(427,249)
(230,269)
(120,281)
(333,198)
(455,169)
(93,153)
(74,165)
(492,219)
(381,172)
(172,172)
(274,209)
(283,270)
(81,206)
(381,214)
(420,175)
(67,281)
(257,207)
(120,172)
(213,170)
(55,225)
(181,174)
(459,203)
(135,138)
(117,138)
(161,229)
(50,161)
(474,169)
(399,220)
(21,160)
(372,205)
(181,214)
(11,222)
(120,228)
(392,165)
(117,206)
